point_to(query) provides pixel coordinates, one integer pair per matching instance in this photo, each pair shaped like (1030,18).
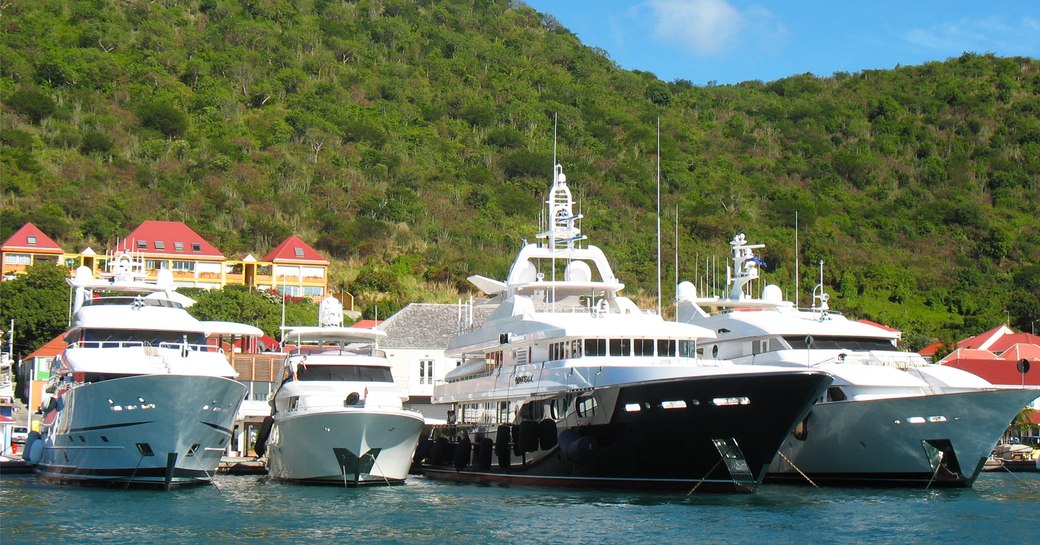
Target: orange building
(27,246)
(293,267)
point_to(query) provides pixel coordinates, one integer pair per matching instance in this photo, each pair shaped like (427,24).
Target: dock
(233,465)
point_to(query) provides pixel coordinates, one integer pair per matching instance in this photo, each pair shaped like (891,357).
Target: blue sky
(729,41)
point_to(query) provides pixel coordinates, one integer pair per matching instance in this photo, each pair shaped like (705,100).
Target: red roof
(998,371)
(172,238)
(931,349)
(969,354)
(31,239)
(1009,340)
(367,324)
(51,349)
(294,250)
(984,340)
(1022,351)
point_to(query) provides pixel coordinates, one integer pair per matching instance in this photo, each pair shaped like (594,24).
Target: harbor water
(1002,507)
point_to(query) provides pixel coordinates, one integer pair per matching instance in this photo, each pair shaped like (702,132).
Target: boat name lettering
(523,379)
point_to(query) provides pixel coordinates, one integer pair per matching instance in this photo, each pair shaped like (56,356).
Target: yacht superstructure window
(666,347)
(620,347)
(840,343)
(595,347)
(643,347)
(149,338)
(353,373)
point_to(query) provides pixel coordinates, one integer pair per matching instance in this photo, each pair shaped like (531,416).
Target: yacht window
(620,347)
(835,394)
(355,373)
(595,347)
(575,349)
(586,406)
(840,343)
(644,347)
(666,348)
(149,338)
(687,349)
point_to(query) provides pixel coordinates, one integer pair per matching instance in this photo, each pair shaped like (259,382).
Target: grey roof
(427,325)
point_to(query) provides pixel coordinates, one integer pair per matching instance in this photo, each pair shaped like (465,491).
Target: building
(25,247)
(298,270)
(292,267)
(416,339)
(995,356)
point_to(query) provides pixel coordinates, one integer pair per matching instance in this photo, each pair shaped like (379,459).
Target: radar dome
(84,274)
(577,271)
(772,293)
(686,291)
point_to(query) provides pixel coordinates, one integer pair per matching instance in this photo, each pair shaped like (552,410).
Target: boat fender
(33,437)
(487,447)
(260,447)
(462,453)
(514,433)
(566,438)
(439,451)
(422,451)
(353,399)
(502,441)
(582,450)
(529,435)
(36,452)
(547,433)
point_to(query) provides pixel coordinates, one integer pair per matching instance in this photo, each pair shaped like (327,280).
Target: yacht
(138,397)
(890,418)
(568,383)
(337,416)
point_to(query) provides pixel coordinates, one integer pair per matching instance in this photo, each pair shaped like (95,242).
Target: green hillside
(412,143)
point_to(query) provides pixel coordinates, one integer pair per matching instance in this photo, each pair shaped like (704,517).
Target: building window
(299,252)
(184,265)
(313,291)
(31,240)
(160,245)
(196,247)
(156,264)
(19,259)
(142,244)
(425,371)
(178,246)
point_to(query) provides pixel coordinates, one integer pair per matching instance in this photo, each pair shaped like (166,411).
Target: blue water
(1002,507)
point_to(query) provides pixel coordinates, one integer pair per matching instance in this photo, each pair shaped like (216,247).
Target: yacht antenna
(658,216)
(676,283)
(795,259)
(552,219)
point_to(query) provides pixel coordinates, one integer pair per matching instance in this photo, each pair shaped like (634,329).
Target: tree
(32,104)
(38,303)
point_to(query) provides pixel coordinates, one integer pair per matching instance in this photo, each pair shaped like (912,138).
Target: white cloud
(980,36)
(703,27)
(709,27)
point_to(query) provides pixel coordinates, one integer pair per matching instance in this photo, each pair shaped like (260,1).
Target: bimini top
(332,334)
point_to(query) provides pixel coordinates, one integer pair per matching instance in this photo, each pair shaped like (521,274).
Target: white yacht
(337,417)
(567,383)
(889,419)
(138,397)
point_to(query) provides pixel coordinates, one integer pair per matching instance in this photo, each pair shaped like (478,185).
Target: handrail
(142,344)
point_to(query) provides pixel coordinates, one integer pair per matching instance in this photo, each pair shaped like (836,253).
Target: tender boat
(337,416)
(567,383)
(889,419)
(137,398)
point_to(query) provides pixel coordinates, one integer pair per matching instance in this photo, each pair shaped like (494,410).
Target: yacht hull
(350,447)
(146,430)
(688,447)
(924,441)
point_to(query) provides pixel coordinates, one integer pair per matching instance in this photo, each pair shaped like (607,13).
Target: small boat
(1013,457)
(138,397)
(337,416)
(569,384)
(889,419)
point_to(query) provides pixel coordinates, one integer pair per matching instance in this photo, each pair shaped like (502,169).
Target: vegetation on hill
(412,143)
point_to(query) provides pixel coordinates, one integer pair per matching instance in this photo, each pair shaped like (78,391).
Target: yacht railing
(897,360)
